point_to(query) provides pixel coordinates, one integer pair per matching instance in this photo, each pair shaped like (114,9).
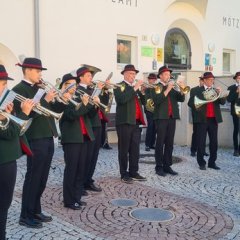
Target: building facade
(190,36)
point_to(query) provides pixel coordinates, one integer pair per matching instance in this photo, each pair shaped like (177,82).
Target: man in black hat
(234,99)
(207,118)
(10,150)
(151,129)
(129,116)
(76,133)
(165,114)
(85,76)
(40,136)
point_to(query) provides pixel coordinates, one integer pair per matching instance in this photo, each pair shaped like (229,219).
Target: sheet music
(38,95)
(96,92)
(9,98)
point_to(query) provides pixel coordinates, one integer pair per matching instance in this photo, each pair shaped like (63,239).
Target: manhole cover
(152,214)
(123,202)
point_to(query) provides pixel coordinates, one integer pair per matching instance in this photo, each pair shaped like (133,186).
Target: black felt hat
(237,74)
(152,76)
(65,78)
(129,67)
(32,63)
(207,75)
(4,74)
(163,69)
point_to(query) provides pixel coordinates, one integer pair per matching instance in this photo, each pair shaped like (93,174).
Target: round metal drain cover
(123,202)
(152,214)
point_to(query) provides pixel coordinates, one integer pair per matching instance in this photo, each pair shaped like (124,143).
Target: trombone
(23,124)
(40,109)
(47,86)
(81,93)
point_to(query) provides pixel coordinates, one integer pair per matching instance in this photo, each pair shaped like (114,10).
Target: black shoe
(74,206)
(147,149)
(152,147)
(106,146)
(138,177)
(82,203)
(203,167)
(93,187)
(42,218)
(160,172)
(30,222)
(84,193)
(214,167)
(206,154)
(236,153)
(127,180)
(193,154)
(170,171)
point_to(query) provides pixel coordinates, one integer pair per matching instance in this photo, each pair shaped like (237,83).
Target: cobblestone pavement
(205,203)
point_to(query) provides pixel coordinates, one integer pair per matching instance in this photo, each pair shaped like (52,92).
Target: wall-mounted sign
(147,51)
(207,59)
(160,55)
(231,22)
(130,3)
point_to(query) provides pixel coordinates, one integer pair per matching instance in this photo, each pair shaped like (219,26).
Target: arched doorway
(177,49)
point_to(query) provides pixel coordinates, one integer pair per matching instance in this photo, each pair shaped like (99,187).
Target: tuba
(23,124)
(210,95)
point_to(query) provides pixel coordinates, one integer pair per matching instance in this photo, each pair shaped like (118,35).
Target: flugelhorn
(23,124)
(81,93)
(47,86)
(210,95)
(40,109)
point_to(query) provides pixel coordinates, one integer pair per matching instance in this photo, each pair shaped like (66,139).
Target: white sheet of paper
(38,95)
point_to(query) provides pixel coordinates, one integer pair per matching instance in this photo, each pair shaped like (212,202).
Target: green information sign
(147,51)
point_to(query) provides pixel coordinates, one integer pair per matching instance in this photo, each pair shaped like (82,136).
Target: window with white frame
(228,61)
(126,50)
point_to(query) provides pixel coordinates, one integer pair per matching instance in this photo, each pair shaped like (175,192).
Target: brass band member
(76,134)
(194,114)
(165,114)
(40,137)
(151,129)
(10,150)
(233,98)
(129,116)
(207,119)
(85,76)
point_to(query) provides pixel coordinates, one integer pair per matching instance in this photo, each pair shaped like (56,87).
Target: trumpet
(47,86)
(23,124)
(108,85)
(81,93)
(184,90)
(40,109)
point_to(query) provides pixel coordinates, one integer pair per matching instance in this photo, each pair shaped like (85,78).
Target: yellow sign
(160,55)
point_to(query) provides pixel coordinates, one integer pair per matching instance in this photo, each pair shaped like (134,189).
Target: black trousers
(236,140)
(94,152)
(8,174)
(194,138)
(129,137)
(36,177)
(104,133)
(76,158)
(164,144)
(151,130)
(210,127)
